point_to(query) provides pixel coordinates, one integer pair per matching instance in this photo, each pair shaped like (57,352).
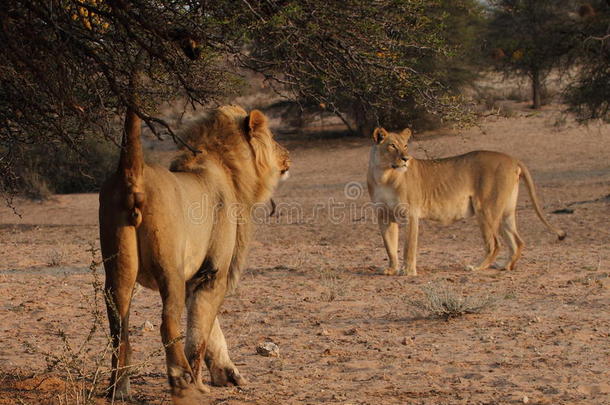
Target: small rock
(350,332)
(268,349)
(407,340)
(525,399)
(148,326)
(323,332)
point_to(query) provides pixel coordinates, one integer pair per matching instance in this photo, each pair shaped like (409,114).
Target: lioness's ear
(379,134)
(254,122)
(406,134)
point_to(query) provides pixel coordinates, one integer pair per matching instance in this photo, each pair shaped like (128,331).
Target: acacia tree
(531,38)
(73,69)
(368,62)
(589,95)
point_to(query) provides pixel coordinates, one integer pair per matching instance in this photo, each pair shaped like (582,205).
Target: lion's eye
(392,146)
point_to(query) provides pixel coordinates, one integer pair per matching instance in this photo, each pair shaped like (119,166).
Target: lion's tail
(131,167)
(529,182)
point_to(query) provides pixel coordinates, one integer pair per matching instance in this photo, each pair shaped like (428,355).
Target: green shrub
(43,169)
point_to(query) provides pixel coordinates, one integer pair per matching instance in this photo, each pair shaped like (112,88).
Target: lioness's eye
(392,146)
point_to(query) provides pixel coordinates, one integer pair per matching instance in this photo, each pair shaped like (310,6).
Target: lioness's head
(391,149)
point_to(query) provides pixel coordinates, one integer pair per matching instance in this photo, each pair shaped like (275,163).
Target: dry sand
(346,334)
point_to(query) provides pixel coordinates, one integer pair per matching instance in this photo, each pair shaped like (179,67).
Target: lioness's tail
(525,173)
(131,167)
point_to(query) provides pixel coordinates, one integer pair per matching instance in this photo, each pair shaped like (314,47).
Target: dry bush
(56,258)
(443,301)
(83,365)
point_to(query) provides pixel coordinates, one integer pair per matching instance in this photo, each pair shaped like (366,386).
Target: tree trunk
(536,89)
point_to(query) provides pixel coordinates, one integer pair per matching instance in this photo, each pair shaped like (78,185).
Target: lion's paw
(120,390)
(227,376)
(390,271)
(185,390)
(190,395)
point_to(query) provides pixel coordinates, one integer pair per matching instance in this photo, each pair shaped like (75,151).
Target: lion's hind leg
(120,255)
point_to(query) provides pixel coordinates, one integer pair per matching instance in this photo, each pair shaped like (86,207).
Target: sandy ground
(346,334)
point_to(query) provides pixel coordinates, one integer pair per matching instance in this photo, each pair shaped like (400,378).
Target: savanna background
(525,77)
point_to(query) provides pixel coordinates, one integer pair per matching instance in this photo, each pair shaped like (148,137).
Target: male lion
(480,183)
(184,233)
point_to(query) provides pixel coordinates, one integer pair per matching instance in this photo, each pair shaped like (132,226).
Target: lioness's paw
(227,376)
(470,267)
(390,271)
(411,272)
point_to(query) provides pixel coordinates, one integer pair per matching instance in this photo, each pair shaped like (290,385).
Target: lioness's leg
(513,240)
(186,388)
(119,250)
(411,246)
(489,230)
(389,233)
(222,369)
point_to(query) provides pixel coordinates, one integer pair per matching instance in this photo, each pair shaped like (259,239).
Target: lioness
(184,233)
(480,183)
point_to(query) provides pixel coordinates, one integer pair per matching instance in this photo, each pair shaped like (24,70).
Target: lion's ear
(255,122)
(406,134)
(379,134)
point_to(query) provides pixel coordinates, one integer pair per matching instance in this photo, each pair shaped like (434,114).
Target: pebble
(148,326)
(268,349)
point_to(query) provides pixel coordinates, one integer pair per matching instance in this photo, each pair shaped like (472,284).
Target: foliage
(532,37)
(68,69)
(369,62)
(54,167)
(72,68)
(589,95)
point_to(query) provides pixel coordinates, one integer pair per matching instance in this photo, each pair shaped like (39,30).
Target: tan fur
(189,240)
(480,183)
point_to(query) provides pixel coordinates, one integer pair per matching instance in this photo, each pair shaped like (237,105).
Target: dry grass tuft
(56,258)
(443,301)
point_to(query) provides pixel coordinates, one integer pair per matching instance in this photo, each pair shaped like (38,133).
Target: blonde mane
(241,144)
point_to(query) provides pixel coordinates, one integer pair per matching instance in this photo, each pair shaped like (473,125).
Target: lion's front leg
(222,370)
(185,386)
(204,338)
